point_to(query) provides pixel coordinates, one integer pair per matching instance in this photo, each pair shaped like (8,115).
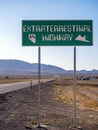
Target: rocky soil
(19,111)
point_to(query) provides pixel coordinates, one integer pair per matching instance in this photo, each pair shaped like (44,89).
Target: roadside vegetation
(13,80)
(7,79)
(87,93)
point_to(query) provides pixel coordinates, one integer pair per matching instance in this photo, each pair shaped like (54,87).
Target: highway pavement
(4,88)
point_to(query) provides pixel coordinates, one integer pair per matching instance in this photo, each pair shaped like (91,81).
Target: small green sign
(57,33)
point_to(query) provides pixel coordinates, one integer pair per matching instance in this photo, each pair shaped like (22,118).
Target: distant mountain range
(17,67)
(21,68)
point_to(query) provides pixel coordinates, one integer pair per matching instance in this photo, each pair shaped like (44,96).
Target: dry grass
(85,102)
(13,80)
(64,93)
(20,79)
(62,96)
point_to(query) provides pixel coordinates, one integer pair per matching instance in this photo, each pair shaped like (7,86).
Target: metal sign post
(39,87)
(75,108)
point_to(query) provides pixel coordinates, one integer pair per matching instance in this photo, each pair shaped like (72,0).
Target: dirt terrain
(19,109)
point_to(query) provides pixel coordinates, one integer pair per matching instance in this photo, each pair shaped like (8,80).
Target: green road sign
(57,33)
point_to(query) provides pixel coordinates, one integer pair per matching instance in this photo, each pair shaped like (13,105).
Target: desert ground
(19,109)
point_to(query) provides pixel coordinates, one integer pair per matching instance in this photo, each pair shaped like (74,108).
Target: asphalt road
(4,88)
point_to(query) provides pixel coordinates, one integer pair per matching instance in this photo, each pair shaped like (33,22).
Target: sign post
(39,56)
(75,106)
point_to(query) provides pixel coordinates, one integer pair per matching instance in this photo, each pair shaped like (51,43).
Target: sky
(12,12)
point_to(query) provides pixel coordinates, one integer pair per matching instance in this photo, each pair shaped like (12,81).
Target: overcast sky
(12,12)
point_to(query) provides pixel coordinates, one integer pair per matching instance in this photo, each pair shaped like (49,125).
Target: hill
(17,67)
(22,68)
